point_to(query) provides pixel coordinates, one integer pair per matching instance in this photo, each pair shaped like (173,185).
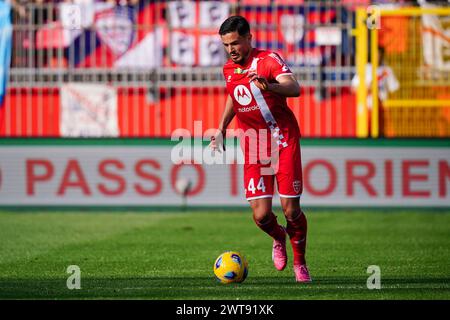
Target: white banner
(328,36)
(435,40)
(211,51)
(147,54)
(88,110)
(182,48)
(182,14)
(213,13)
(146,176)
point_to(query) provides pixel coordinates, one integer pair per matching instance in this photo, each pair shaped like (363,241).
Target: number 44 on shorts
(260,186)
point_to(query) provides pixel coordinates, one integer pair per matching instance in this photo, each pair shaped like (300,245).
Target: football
(231,267)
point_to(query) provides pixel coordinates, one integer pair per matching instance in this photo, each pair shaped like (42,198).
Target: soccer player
(258,83)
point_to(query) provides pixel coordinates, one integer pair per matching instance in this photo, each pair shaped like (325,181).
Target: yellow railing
(415,96)
(361,60)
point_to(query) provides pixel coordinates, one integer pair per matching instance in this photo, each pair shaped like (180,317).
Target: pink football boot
(301,273)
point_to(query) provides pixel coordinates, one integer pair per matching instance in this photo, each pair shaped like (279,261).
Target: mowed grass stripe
(170,255)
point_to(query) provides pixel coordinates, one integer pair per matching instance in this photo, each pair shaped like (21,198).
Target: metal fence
(421,106)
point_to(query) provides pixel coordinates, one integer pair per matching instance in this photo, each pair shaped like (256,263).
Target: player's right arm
(227,117)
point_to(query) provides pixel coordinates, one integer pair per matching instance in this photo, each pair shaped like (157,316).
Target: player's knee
(261,215)
(291,208)
(292,213)
(262,210)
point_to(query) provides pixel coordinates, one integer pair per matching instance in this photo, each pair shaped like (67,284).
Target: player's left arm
(286,85)
(282,81)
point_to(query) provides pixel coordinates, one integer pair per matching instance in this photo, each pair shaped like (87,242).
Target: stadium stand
(145,68)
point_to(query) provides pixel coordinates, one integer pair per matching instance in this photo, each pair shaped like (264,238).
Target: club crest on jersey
(240,71)
(242,95)
(297,184)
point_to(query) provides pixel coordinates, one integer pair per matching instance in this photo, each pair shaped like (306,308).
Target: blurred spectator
(124,2)
(18,17)
(387,82)
(19,9)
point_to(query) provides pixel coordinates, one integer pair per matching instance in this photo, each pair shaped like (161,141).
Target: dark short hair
(235,23)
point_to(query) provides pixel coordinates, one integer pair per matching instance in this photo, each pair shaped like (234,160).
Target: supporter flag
(191,46)
(88,110)
(435,32)
(107,36)
(5,47)
(291,31)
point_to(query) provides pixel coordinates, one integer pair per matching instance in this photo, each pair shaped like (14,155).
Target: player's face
(238,47)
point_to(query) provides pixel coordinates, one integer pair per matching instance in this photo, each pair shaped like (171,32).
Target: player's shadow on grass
(204,287)
(337,280)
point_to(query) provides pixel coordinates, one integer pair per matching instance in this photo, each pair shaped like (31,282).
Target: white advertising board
(145,175)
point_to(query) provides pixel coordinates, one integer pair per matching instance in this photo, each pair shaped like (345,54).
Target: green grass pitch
(170,255)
